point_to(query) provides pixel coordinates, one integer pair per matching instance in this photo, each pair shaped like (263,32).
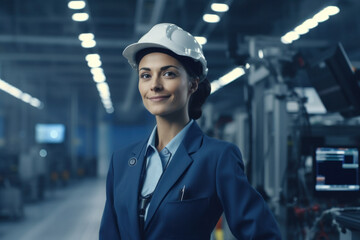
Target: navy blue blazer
(212,172)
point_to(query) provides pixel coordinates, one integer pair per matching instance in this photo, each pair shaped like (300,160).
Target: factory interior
(285,89)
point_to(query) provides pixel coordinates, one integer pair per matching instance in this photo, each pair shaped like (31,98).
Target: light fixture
(35,103)
(110,110)
(289,37)
(94,63)
(321,16)
(232,75)
(98,70)
(93,60)
(301,29)
(211,18)
(331,10)
(261,53)
(6,87)
(99,78)
(80,17)
(88,44)
(105,97)
(219,7)
(76,5)
(310,23)
(92,57)
(102,87)
(25,97)
(227,78)
(86,36)
(201,40)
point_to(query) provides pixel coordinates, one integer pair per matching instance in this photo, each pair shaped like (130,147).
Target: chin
(157,112)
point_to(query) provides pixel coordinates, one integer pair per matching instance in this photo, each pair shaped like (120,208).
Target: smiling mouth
(158,98)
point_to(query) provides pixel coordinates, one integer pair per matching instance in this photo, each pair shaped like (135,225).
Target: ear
(194,83)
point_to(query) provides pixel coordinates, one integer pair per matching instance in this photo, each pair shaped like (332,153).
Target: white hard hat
(171,37)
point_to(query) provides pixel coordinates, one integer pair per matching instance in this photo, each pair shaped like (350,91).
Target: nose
(156,84)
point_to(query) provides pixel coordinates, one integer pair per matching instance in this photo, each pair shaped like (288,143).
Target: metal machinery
(277,131)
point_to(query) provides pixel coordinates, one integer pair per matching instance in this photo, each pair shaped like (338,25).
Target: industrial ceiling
(40,52)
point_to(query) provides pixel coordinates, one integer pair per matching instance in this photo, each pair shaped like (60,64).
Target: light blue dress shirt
(157,162)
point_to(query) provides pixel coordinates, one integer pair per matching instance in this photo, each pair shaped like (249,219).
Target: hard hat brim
(130,51)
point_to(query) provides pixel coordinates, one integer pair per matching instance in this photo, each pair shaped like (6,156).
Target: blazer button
(132,161)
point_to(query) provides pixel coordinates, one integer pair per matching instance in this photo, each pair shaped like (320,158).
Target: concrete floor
(71,213)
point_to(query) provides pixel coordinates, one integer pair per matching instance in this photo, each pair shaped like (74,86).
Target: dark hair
(198,98)
(194,70)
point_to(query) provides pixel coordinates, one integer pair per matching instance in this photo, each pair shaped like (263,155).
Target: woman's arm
(108,228)
(245,210)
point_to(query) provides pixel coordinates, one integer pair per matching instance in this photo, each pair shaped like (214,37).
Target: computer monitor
(336,171)
(49,133)
(332,76)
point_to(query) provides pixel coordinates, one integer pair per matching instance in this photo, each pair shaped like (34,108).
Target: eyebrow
(162,68)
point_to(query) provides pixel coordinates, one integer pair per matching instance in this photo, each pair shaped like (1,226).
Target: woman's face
(164,85)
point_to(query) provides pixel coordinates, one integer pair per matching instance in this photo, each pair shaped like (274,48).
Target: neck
(168,129)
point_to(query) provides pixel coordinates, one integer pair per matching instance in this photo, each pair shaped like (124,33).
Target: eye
(170,74)
(145,75)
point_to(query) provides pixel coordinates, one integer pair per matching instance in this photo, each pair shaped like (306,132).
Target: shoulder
(213,144)
(128,151)
(225,152)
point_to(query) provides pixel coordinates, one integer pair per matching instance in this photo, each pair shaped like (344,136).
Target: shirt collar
(173,145)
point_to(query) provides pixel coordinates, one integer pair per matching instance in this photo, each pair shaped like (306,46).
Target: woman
(177,183)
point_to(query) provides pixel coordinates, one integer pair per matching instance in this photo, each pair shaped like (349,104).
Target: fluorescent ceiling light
(292,36)
(231,76)
(331,10)
(313,22)
(94,63)
(289,37)
(80,17)
(285,40)
(35,103)
(4,85)
(86,36)
(310,23)
(201,40)
(76,5)
(321,16)
(92,57)
(215,85)
(95,71)
(109,110)
(26,97)
(211,18)
(99,78)
(219,7)
(301,29)
(106,100)
(14,91)
(88,44)
(227,78)
(108,106)
(102,87)
(105,97)
(10,89)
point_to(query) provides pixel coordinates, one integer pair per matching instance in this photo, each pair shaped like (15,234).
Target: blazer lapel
(134,174)
(178,165)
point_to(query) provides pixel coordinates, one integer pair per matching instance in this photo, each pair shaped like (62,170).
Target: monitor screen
(335,82)
(49,133)
(336,169)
